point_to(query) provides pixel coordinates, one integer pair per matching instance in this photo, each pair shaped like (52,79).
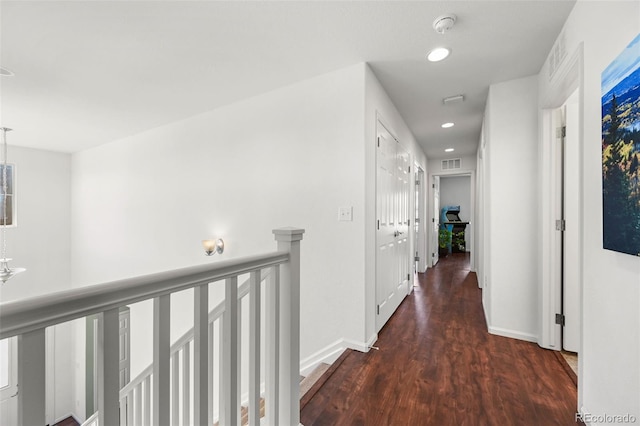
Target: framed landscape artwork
(621,152)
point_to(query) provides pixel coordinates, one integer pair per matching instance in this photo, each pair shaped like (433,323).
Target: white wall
(456,191)
(41,243)
(378,105)
(288,157)
(510,229)
(609,380)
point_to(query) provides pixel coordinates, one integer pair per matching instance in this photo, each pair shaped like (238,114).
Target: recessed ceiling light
(447,125)
(438,54)
(5,72)
(449,150)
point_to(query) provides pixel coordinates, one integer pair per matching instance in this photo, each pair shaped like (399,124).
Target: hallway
(437,365)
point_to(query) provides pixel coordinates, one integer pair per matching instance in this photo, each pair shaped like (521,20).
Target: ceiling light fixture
(447,125)
(438,54)
(449,150)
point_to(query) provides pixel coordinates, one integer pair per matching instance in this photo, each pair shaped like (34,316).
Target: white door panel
(392,237)
(571,241)
(436,221)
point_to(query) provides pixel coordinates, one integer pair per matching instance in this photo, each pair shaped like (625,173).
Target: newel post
(289,402)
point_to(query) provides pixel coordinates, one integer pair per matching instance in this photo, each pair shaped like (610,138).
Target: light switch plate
(345,214)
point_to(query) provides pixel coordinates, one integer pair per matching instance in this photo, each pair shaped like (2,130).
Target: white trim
(514,334)
(330,353)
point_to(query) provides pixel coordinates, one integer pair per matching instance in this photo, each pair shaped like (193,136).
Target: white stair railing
(154,397)
(135,403)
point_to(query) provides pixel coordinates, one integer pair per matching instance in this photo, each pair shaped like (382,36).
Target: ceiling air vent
(452,164)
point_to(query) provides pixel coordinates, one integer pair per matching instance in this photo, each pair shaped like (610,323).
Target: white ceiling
(89,72)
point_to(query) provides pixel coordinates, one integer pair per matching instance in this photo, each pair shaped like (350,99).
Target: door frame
(420,243)
(381,122)
(473,219)
(567,80)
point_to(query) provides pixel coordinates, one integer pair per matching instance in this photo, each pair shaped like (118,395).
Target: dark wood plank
(322,380)
(69,421)
(437,365)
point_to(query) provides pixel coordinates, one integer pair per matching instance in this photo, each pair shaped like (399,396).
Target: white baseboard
(330,353)
(513,334)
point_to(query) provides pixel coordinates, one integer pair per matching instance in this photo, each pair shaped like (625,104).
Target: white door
(8,382)
(435,221)
(571,235)
(392,237)
(419,222)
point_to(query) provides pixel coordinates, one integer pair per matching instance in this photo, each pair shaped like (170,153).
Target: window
(10,217)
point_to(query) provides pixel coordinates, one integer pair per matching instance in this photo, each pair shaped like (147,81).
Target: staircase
(199,378)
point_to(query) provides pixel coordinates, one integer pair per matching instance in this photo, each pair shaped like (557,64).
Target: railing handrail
(26,315)
(214,314)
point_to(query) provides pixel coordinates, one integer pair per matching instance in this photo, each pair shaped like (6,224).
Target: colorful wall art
(621,152)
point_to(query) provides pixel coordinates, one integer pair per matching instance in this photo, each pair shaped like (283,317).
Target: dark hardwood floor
(438,365)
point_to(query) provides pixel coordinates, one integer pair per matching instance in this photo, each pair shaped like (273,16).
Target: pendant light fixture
(6,272)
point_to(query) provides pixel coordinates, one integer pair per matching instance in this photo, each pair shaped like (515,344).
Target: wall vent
(557,55)
(452,164)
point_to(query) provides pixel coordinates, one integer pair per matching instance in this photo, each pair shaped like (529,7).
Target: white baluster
(289,240)
(209,400)
(129,410)
(138,405)
(254,349)
(147,401)
(108,367)
(221,369)
(175,389)
(123,411)
(272,343)
(200,356)
(231,408)
(186,395)
(31,378)
(161,363)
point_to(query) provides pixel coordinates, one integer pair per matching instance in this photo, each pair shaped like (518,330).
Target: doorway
(445,193)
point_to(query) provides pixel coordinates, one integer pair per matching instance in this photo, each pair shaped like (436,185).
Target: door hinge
(561,132)
(433,255)
(408,277)
(417,182)
(409,169)
(561,225)
(433,219)
(378,224)
(377,309)
(416,259)
(409,222)
(433,185)
(560,319)
(417,220)
(378,141)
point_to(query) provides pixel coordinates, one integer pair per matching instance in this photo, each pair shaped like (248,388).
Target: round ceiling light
(449,150)
(438,54)
(447,125)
